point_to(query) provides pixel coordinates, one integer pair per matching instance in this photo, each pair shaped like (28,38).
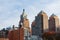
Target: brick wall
(16,35)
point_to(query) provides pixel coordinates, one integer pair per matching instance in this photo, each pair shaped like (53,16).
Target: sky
(10,10)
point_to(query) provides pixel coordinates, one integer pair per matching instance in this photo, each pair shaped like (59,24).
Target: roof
(41,12)
(53,15)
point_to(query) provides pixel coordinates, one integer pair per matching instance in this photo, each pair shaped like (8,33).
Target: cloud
(53,8)
(13,19)
(10,10)
(31,12)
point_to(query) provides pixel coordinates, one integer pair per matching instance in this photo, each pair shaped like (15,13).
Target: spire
(23,11)
(54,16)
(41,12)
(24,15)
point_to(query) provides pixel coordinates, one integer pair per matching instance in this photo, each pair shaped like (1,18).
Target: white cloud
(53,8)
(10,10)
(13,19)
(31,12)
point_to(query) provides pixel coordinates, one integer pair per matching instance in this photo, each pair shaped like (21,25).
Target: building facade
(53,23)
(40,24)
(16,34)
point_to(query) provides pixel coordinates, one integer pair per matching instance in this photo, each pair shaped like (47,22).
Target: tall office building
(40,24)
(53,23)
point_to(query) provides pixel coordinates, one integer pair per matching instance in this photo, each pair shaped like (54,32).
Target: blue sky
(10,10)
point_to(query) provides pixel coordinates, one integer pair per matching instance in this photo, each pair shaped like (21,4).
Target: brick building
(3,35)
(16,34)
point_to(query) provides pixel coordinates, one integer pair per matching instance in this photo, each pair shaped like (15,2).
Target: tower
(53,23)
(40,24)
(24,23)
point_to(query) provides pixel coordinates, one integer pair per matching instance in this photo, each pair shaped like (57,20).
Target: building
(40,24)
(23,30)
(16,34)
(3,35)
(25,25)
(39,27)
(53,23)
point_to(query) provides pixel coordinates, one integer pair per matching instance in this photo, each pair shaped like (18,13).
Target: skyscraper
(40,24)
(53,22)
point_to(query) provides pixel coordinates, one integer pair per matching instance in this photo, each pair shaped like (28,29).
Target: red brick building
(16,34)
